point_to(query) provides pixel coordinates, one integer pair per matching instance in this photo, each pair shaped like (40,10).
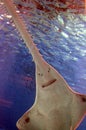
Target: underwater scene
(60,35)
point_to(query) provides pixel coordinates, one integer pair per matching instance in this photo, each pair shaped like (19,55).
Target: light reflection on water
(62,42)
(66,45)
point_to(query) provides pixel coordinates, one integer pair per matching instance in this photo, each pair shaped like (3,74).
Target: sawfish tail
(20,25)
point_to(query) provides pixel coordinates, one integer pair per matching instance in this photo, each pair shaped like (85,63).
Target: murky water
(62,42)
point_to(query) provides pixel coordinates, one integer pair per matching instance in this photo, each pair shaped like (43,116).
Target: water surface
(61,39)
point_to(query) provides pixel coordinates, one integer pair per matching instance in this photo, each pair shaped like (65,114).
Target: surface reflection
(61,38)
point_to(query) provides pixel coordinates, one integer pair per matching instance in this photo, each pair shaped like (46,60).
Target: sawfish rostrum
(56,106)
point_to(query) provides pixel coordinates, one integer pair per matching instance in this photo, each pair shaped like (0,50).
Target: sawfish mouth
(49,83)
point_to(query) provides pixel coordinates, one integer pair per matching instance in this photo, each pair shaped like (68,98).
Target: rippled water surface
(61,39)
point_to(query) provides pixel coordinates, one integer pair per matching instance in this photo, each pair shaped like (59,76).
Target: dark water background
(62,42)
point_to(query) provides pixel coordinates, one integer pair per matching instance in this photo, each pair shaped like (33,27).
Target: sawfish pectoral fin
(23,121)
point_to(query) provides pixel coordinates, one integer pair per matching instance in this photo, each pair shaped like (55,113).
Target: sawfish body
(56,106)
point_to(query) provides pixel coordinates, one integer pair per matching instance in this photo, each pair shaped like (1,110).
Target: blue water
(62,42)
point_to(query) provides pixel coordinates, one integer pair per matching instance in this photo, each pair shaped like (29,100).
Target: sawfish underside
(56,106)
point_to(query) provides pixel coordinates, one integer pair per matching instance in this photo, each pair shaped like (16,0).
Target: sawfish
(56,105)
